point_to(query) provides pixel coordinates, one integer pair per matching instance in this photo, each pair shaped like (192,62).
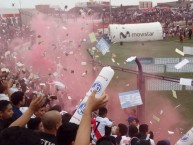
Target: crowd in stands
(51,126)
(27,116)
(10,28)
(175,21)
(165,16)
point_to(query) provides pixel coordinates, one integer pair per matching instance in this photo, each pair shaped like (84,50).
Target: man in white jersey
(98,125)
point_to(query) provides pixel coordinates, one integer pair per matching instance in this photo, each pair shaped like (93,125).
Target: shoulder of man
(45,137)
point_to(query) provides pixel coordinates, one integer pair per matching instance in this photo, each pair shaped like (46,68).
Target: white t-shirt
(98,127)
(4,97)
(152,142)
(125,140)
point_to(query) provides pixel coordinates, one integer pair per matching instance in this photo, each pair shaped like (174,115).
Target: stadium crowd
(28,116)
(165,16)
(12,27)
(43,124)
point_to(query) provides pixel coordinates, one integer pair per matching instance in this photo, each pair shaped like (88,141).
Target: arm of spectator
(85,124)
(108,123)
(34,106)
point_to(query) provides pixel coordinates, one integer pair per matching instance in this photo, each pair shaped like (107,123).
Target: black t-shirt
(112,139)
(2,126)
(47,139)
(5,123)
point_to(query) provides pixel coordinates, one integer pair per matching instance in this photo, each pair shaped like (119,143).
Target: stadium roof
(9,11)
(173,4)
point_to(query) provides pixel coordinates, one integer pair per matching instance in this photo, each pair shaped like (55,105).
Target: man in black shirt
(51,121)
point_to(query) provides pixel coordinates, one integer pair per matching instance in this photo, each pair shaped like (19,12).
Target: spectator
(56,108)
(35,124)
(66,134)
(66,118)
(40,112)
(99,123)
(108,135)
(133,131)
(18,100)
(104,141)
(18,136)
(143,131)
(190,33)
(92,104)
(35,104)
(133,121)
(6,113)
(51,122)
(122,131)
(4,90)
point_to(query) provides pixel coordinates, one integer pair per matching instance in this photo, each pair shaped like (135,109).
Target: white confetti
(64,28)
(42,84)
(83,63)
(179,52)
(71,52)
(161,112)
(130,59)
(19,64)
(127,85)
(170,132)
(84,74)
(181,64)
(177,106)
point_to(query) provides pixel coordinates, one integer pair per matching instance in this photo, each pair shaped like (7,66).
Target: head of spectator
(151,135)
(114,129)
(143,129)
(103,112)
(2,87)
(18,99)
(66,134)
(56,108)
(19,136)
(4,90)
(40,112)
(29,98)
(6,110)
(104,141)
(133,120)
(121,130)
(4,72)
(108,132)
(51,121)
(35,124)
(66,118)
(163,142)
(133,130)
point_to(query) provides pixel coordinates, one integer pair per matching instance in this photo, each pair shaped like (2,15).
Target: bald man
(51,121)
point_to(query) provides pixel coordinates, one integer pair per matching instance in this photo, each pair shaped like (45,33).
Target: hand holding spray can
(100,84)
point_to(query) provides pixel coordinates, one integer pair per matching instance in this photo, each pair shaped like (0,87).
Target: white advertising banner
(135,32)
